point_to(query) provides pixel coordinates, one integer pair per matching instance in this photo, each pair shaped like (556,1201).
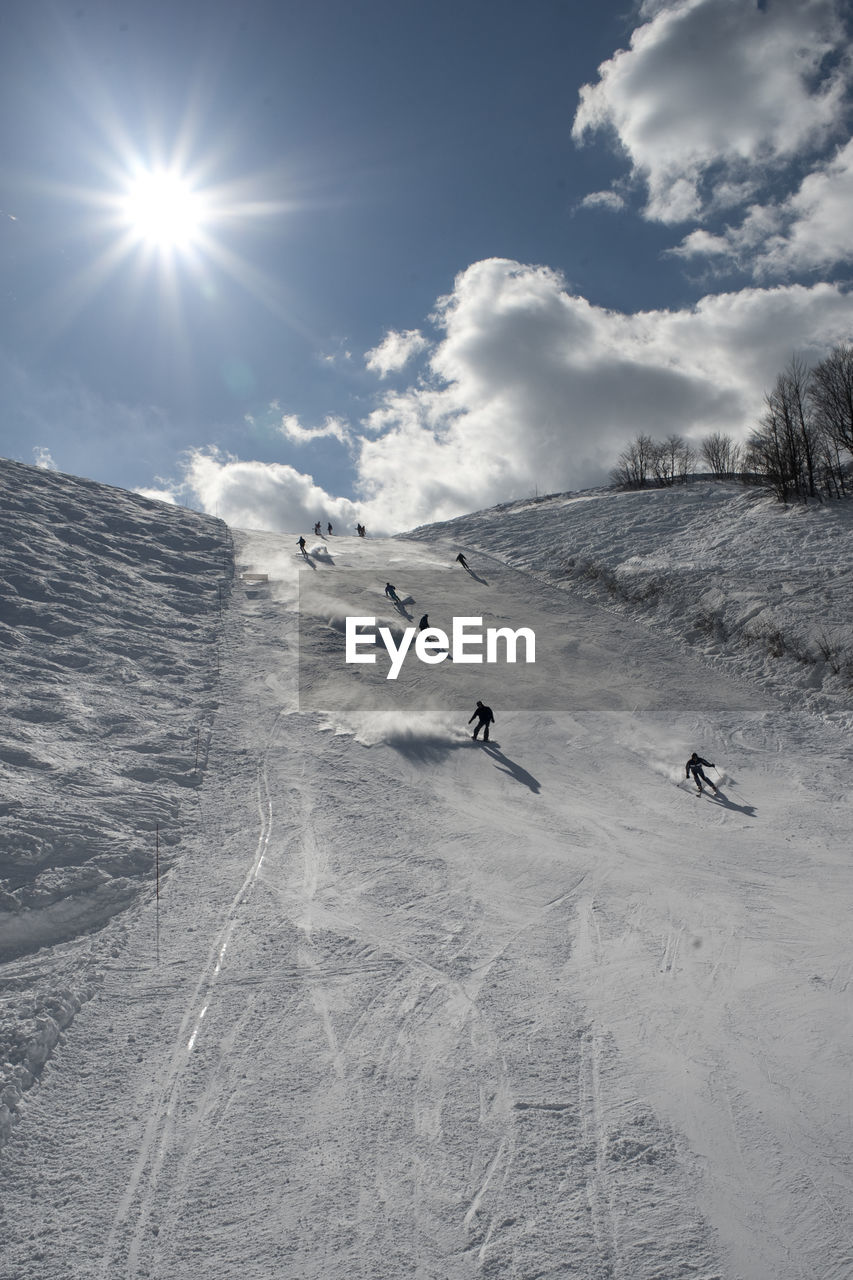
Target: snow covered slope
(414,1006)
(109,614)
(727,569)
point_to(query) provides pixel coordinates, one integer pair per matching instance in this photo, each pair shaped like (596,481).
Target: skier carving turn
(694,767)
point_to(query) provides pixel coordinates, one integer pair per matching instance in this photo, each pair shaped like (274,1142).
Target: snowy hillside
(727,569)
(411,1005)
(109,615)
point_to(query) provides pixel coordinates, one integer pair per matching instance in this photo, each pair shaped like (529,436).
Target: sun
(161,210)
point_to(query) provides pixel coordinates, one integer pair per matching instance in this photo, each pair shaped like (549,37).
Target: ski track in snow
(410,1008)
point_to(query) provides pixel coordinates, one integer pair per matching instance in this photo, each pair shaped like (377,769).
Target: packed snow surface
(410,1005)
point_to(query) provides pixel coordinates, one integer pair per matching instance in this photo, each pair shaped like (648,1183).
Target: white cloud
(395,350)
(603,200)
(259,495)
(533,387)
(810,230)
(536,388)
(716,92)
(291,428)
(159,495)
(43,458)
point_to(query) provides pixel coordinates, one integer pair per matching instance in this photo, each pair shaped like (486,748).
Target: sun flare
(162,210)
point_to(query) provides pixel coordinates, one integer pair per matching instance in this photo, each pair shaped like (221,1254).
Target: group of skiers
(482,714)
(318,533)
(485,716)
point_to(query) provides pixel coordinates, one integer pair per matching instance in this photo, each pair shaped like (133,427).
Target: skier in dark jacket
(461,559)
(694,766)
(484,718)
(424,622)
(301,545)
(391,592)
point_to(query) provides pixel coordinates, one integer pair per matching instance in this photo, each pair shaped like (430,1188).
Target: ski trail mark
(159,1131)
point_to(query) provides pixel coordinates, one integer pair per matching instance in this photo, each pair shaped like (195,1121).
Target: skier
(318,529)
(462,560)
(329,527)
(301,545)
(694,766)
(391,593)
(424,623)
(484,718)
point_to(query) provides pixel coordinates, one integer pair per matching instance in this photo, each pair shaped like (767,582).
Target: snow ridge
(109,616)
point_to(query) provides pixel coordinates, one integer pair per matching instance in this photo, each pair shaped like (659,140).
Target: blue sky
(439,255)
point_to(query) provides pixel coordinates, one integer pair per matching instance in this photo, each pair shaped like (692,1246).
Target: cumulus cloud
(711,95)
(395,351)
(292,429)
(603,200)
(534,388)
(258,495)
(810,230)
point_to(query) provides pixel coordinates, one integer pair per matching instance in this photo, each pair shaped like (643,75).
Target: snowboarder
(462,560)
(484,718)
(694,766)
(391,593)
(424,623)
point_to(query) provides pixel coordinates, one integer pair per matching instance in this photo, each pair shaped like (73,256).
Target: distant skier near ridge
(694,767)
(484,717)
(329,527)
(462,560)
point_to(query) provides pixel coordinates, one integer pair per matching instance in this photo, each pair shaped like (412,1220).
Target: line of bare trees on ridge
(802,447)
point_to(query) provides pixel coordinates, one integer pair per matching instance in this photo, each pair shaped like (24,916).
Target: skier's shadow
(514,770)
(403,611)
(748,809)
(477,577)
(309,561)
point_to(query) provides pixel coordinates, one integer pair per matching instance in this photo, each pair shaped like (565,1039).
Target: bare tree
(792,387)
(721,454)
(673,459)
(635,463)
(831,395)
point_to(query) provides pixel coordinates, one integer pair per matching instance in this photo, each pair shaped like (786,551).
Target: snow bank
(109,622)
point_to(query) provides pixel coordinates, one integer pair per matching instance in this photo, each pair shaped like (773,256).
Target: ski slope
(410,1005)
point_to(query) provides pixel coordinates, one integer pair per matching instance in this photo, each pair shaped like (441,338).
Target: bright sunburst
(162,210)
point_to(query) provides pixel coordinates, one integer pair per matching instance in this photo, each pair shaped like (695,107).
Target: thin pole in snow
(157,880)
